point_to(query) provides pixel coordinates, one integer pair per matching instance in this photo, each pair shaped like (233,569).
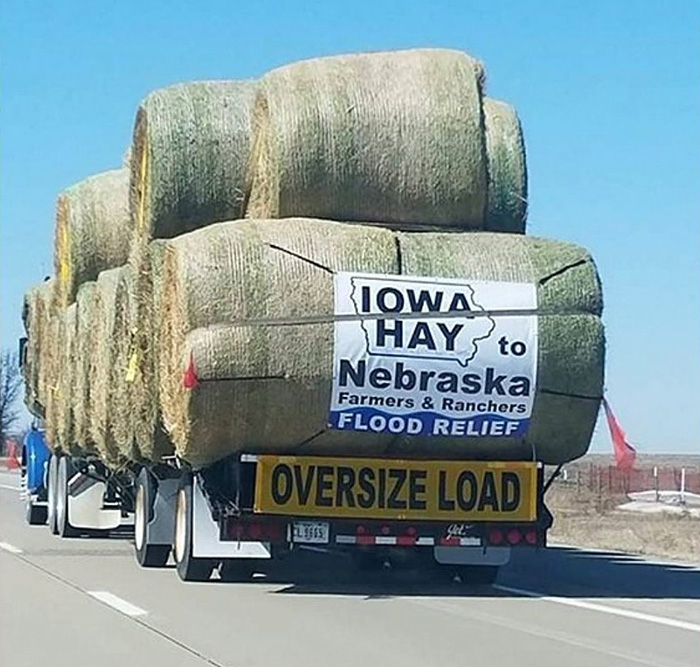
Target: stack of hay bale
(216,332)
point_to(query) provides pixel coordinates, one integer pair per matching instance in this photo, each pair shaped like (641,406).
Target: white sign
(459,370)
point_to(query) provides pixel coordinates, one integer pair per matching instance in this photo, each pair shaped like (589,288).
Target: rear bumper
(374,533)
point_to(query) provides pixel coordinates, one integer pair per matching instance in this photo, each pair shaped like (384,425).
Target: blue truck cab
(35,464)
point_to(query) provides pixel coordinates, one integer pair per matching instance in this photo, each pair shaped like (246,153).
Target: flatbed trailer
(464,517)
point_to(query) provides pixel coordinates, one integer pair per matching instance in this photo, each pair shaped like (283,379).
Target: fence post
(682,486)
(656,483)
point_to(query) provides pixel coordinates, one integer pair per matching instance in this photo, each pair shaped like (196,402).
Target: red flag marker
(625,454)
(190,381)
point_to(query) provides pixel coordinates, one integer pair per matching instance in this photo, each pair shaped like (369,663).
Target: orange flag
(625,454)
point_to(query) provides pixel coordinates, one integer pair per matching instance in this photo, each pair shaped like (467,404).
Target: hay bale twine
(92,231)
(266,388)
(35,312)
(190,155)
(106,351)
(506,201)
(389,138)
(151,439)
(85,303)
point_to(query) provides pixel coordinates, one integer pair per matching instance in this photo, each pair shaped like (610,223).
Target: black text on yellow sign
(381,489)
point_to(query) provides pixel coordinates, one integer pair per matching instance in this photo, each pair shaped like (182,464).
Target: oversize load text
(396,489)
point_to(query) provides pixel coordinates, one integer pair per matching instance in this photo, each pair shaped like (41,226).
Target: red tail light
(495,536)
(514,536)
(531,537)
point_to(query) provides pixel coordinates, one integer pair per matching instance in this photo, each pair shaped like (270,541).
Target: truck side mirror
(23,351)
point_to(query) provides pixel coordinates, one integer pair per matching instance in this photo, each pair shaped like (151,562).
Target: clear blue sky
(608,92)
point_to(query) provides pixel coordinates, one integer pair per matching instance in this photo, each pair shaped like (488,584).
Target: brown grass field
(588,517)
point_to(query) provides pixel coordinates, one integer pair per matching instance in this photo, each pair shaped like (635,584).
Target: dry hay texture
(35,315)
(189,158)
(396,139)
(82,382)
(92,231)
(266,388)
(506,202)
(151,439)
(109,352)
(59,413)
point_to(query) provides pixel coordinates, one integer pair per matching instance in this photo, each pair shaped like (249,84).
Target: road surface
(86,602)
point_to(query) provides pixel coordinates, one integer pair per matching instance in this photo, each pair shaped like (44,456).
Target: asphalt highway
(86,602)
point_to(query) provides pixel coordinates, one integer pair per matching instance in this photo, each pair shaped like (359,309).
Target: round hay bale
(106,352)
(50,365)
(35,313)
(41,347)
(85,303)
(571,346)
(270,278)
(92,231)
(151,439)
(395,139)
(59,420)
(266,387)
(121,401)
(190,155)
(65,375)
(506,202)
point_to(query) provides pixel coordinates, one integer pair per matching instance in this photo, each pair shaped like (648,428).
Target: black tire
(481,575)
(51,483)
(236,570)
(188,567)
(36,515)
(147,555)
(66,470)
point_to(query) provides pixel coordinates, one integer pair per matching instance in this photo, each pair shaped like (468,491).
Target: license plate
(311,532)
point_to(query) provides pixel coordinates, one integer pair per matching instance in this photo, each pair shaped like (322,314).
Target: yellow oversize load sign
(386,489)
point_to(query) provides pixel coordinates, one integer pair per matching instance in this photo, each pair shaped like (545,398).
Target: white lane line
(117,603)
(593,606)
(10,548)
(11,488)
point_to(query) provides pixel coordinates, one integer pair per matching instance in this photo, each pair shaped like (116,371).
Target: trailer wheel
(51,485)
(147,555)
(36,515)
(66,470)
(188,567)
